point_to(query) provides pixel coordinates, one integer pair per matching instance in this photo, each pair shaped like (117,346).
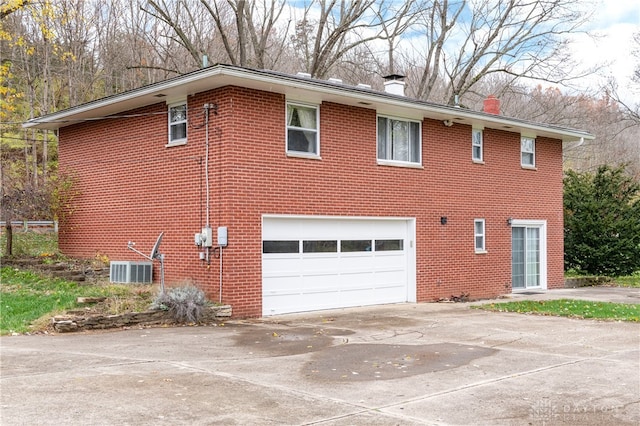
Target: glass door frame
(541,225)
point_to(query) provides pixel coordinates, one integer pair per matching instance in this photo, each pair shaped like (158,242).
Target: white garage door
(311,264)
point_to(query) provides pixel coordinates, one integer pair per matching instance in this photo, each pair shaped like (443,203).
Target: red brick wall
(132,187)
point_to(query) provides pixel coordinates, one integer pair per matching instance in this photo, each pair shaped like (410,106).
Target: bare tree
(436,24)
(251,32)
(632,112)
(133,49)
(330,30)
(161,11)
(465,41)
(255,30)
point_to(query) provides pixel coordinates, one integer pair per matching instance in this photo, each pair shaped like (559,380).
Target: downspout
(206,170)
(208,207)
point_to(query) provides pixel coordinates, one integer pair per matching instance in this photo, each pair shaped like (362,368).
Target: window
(302,129)
(348,246)
(389,245)
(281,246)
(324,246)
(479,235)
(528,152)
(177,123)
(398,140)
(476,145)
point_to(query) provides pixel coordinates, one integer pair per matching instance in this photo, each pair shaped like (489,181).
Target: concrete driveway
(408,364)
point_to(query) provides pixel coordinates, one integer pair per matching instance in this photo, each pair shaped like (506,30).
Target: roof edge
(64,117)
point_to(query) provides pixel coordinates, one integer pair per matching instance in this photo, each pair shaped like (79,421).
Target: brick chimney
(491,105)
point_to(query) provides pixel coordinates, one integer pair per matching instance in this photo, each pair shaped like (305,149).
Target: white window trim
(301,154)
(483,249)
(399,163)
(523,165)
(182,141)
(473,145)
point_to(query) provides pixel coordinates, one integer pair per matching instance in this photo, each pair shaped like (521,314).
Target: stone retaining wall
(585,281)
(72,322)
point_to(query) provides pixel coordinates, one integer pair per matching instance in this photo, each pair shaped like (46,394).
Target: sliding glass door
(525,257)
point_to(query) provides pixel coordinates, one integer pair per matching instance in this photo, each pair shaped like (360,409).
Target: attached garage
(311,263)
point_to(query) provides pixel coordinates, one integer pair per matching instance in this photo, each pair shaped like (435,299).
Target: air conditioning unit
(131,272)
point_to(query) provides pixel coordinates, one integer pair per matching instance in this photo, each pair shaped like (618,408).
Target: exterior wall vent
(131,272)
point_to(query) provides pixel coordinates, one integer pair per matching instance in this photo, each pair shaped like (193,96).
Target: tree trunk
(9,233)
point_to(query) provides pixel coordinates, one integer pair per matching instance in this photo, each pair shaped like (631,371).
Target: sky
(613,24)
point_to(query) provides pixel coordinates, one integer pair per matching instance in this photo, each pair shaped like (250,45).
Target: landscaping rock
(90,299)
(71,270)
(78,322)
(576,282)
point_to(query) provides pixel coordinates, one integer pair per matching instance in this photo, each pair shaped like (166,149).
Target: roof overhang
(298,88)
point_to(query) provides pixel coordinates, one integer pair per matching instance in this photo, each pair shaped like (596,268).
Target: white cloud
(609,44)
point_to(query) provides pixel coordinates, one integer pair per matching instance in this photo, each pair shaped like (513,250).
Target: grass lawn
(31,243)
(28,300)
(628,281)
(569,308)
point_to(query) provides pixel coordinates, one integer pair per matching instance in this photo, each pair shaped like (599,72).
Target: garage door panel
(348,278)
(284,266)
(316,282)
(283,284)
(360,275)
(390,264)
(319,263)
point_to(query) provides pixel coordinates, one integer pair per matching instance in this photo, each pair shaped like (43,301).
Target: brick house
(330,195)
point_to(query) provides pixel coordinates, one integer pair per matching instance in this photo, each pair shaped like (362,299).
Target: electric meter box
(207,237)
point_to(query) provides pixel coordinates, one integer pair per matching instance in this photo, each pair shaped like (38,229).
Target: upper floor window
(177,123)
(528,152)
(398,140)
(479,235)
(302,129)
(476,145)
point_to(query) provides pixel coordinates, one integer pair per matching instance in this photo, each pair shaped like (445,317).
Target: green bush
(186,304)
(602,222)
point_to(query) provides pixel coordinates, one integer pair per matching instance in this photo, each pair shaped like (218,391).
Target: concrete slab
(597,294)
(407,364)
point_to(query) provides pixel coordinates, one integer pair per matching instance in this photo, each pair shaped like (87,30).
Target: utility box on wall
(131,272)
